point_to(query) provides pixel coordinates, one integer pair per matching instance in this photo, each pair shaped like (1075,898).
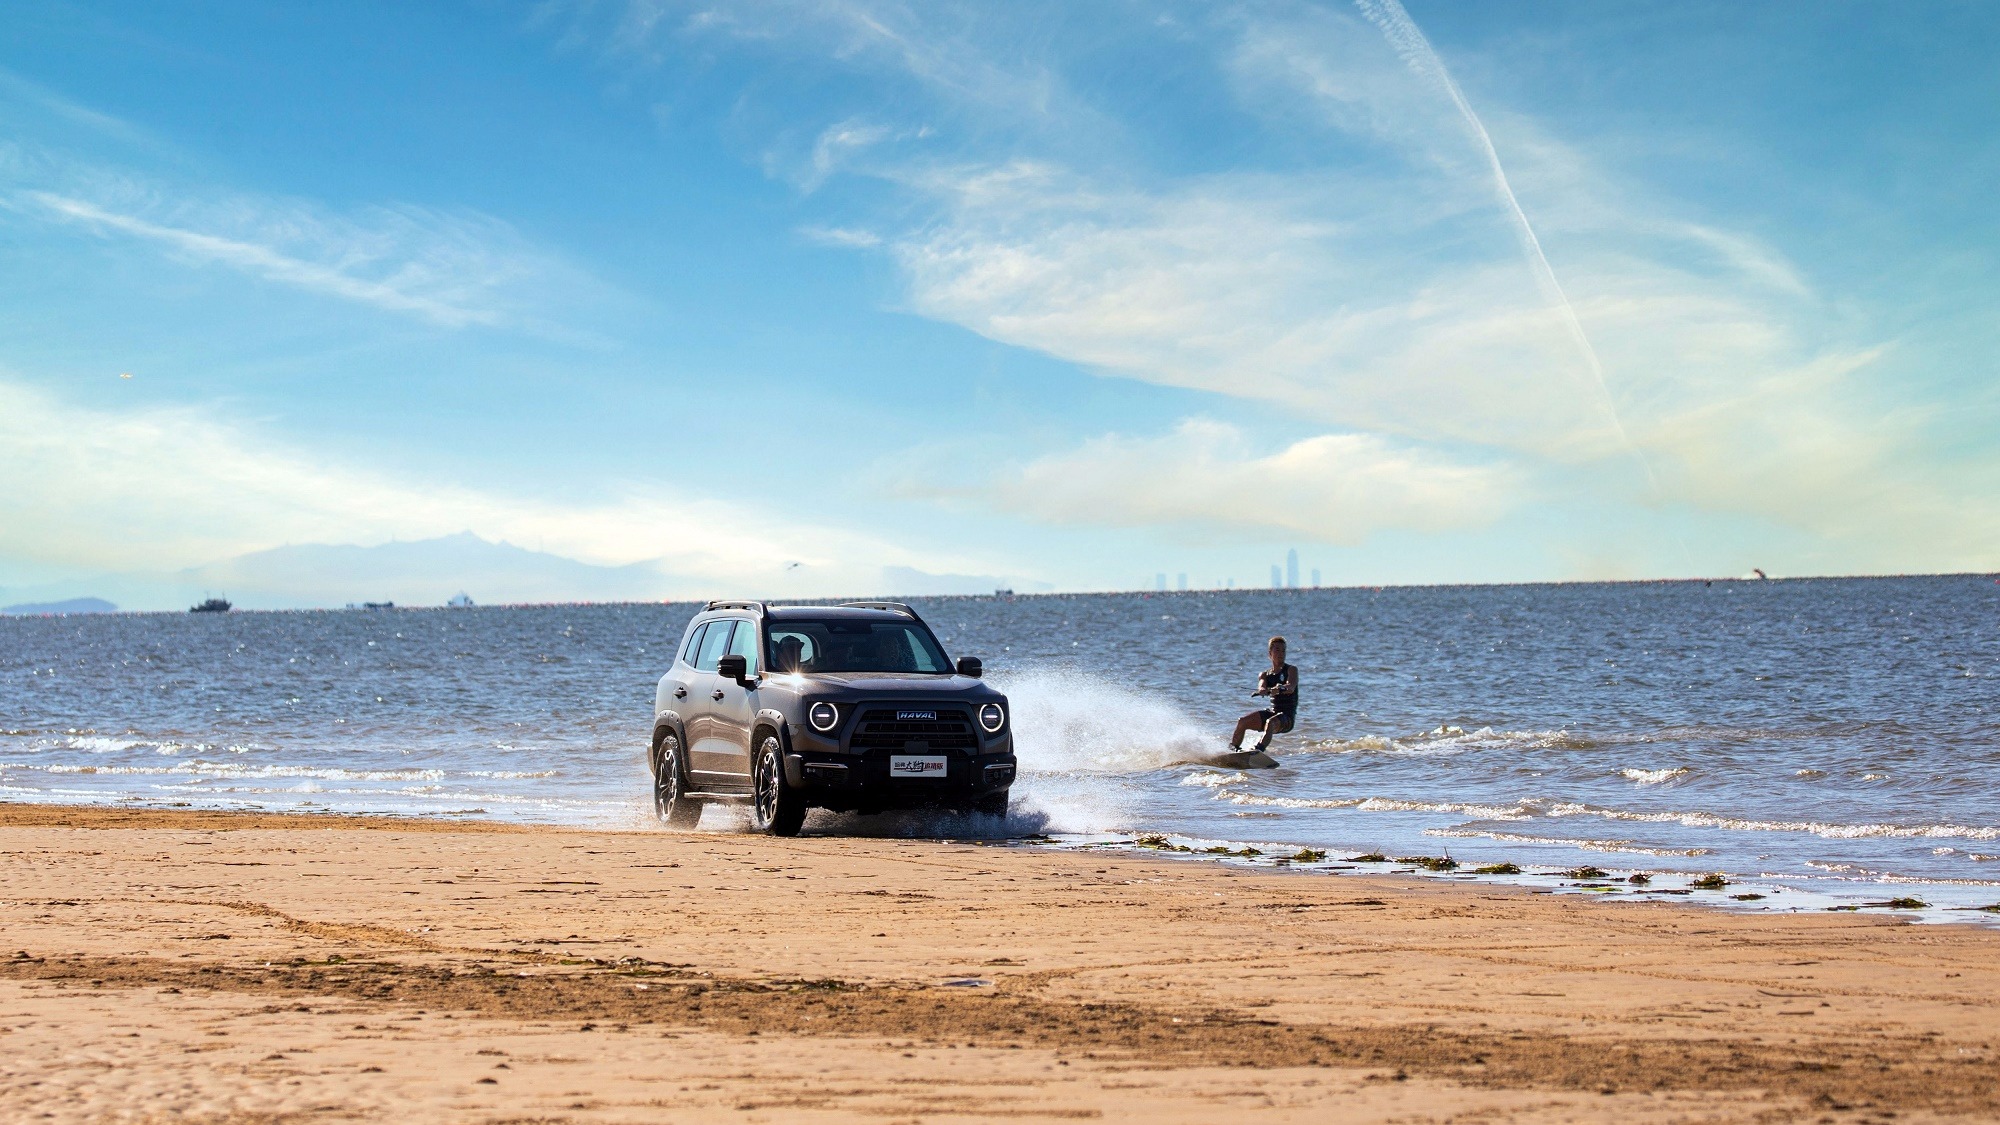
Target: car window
(713,645)
(857,646)
(694,643)
(791,650)
(744,644)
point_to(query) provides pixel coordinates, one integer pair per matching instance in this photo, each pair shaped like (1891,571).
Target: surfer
(1281,686)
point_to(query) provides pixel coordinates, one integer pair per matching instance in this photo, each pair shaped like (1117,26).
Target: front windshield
(853,646)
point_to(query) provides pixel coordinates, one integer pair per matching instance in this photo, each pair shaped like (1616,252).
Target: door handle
(680,693)
(718,693)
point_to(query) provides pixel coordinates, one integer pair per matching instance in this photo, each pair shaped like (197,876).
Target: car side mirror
(970,666)
(734,667)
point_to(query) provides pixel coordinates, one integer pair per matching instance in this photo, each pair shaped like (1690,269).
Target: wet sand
(190,966)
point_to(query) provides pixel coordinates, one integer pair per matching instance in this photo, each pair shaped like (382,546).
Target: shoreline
(1947,903)
(260,966)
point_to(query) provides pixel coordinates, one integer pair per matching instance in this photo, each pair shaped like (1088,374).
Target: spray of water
(1068,722)
(1416,51)
(1082,741)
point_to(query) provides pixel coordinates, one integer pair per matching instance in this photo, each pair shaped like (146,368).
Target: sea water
(1818,738)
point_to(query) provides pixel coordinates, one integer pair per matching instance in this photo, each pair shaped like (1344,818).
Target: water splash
(1074,722)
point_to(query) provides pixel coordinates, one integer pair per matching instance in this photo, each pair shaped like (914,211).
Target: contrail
(1409,42)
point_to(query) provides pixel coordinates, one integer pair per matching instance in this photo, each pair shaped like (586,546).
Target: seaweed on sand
(1371,857)
(1308,855)
(1497,869)
(1586,872)
(1430,862)
(1160,843)
(1709,883)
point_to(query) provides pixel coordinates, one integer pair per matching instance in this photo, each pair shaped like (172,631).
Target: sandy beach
(193,966)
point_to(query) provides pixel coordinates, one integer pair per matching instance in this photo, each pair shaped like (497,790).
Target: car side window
(920,660)
(713,644)
(744,644)
(694,643)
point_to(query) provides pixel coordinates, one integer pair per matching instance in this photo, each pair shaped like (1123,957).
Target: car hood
(903,684)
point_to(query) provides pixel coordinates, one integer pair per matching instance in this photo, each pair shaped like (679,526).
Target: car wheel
(670,784)
(995,805)
(779,809)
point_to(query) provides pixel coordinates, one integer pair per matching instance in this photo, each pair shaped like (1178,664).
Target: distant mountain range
(423,572)
(45,609)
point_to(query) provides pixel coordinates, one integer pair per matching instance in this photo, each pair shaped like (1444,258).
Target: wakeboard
(1240,760)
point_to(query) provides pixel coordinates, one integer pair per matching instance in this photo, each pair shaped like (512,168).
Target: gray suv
(853,707)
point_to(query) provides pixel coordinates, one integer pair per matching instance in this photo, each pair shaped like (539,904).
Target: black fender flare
(775,719)
(665,721)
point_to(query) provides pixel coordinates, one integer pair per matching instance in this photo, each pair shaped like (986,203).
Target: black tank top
(1284,700)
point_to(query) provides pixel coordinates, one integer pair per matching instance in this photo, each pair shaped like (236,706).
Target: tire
(993,805)
(669,783)
(778,809)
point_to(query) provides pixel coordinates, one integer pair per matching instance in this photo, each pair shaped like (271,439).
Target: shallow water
(1830,736)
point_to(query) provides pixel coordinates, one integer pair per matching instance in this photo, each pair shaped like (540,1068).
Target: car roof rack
(726,603)
(893,607)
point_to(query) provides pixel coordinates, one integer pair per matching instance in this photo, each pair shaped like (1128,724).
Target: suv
(853,707)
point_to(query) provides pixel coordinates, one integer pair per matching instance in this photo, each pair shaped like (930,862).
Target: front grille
(881,730)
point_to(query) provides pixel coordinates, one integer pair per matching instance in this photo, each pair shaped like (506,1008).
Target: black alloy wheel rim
(767,788)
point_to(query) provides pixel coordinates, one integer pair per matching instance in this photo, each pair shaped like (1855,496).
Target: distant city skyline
(798,299)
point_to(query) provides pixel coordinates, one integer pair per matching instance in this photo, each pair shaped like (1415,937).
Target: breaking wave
(1653,777)
(1446,740)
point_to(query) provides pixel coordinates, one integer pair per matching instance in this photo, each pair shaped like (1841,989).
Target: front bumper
(861,781)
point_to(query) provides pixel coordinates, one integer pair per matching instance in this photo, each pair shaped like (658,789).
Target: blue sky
(772,296)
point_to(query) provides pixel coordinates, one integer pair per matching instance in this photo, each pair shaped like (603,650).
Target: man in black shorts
(1281,684)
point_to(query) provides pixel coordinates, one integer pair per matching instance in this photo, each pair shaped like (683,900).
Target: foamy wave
(1448,740)
(1653,777)
(1624,846)
(1974,856)
(99,744)
(1213,780)
(511,775)
(1813,827)
(235,771)
(1371,804)
(1856,873)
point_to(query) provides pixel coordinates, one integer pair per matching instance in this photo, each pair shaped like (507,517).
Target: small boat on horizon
(212,605)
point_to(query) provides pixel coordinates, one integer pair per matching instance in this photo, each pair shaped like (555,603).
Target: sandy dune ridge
(194,966)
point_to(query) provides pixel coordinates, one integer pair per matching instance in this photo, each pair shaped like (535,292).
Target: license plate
(917,765)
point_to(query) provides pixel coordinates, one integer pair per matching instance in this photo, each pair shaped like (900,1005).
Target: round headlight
(992,717)
(823,717)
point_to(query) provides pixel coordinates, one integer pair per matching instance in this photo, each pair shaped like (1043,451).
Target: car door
(674,694)
(707,769)
(733,714)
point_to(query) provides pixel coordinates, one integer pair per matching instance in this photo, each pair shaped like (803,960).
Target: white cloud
(1206,476)
(158,488)
(452,267)
(1256,287)
(1385,291)
(410,287)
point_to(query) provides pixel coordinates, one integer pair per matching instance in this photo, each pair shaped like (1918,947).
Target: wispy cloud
(452,267)
(404,290)
(1409,42)
(1448,280)
(1207,478)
